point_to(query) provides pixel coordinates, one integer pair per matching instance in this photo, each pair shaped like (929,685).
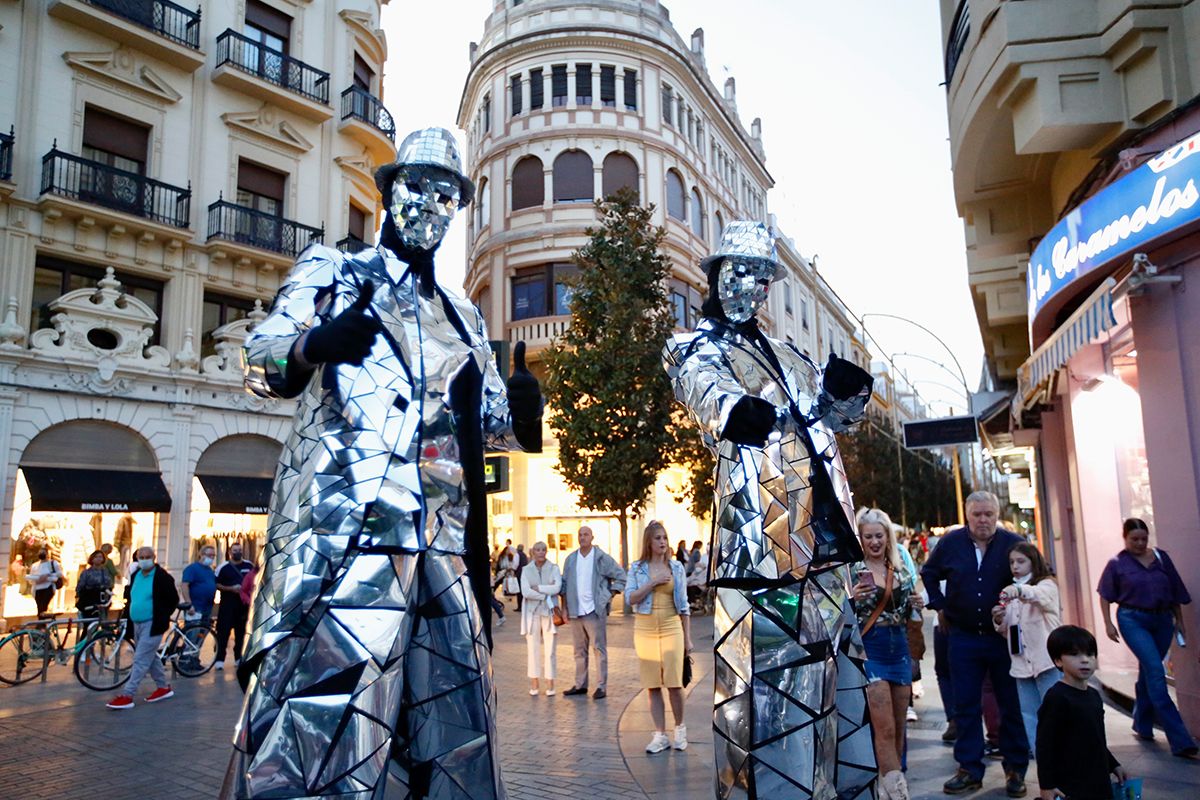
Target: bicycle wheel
(104,662)
(196,650)
(23,656)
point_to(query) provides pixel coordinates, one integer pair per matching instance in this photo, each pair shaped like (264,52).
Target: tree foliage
(688,451)
(605,378)
(869,456)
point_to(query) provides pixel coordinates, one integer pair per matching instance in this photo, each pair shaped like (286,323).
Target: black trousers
(231,616)
(43,597)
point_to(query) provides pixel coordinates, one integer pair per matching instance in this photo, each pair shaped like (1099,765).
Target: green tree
(611,398)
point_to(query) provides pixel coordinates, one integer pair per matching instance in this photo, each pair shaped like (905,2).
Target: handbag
(512,586)
(916,637)
(687,669)
(558,616)
(61,581)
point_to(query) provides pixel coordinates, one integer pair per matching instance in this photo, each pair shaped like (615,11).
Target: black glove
(845,379)
(348,337)
(750,420)
(525,403)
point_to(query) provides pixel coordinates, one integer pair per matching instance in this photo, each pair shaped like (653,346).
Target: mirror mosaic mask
(743,285)
(424,200)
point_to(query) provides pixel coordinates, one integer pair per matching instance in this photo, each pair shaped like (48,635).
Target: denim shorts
(887,654)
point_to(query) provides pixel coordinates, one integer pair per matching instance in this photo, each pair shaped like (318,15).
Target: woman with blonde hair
(540,582)
(662,636)
(883,599)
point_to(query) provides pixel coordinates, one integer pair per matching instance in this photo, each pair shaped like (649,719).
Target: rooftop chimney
(472,50)
(731,91)
(756,128)
(698,42)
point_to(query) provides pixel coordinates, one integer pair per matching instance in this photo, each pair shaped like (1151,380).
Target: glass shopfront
(231,495)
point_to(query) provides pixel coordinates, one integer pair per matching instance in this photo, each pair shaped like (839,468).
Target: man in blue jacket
(973,561)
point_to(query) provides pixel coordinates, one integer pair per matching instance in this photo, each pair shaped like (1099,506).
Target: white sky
(854,124)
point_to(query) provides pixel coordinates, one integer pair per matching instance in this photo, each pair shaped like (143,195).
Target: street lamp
(938,339)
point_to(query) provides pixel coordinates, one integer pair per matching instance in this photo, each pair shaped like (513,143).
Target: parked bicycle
(189,648)
(26,653)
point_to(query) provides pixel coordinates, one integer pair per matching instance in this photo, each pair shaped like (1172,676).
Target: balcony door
(114,169)
(268,31)
(260,192)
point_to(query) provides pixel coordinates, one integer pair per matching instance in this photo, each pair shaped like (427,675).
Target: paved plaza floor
(57,740)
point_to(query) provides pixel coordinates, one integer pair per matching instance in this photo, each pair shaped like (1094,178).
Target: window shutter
(535,88)
(115,135)
(264,17)
(261,180)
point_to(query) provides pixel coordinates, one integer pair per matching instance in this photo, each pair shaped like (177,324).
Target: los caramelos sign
(1155,199)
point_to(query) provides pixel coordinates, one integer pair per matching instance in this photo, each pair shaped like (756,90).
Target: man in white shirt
(590,578)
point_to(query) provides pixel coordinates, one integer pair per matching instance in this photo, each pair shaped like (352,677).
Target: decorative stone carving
(104,325)
(12,334)
(186,359)
(128,70)
(268,124)
(227,363)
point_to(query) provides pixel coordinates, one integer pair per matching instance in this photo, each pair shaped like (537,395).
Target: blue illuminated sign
(1156,198)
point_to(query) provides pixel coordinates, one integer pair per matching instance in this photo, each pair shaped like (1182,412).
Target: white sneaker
(658,743)
(918,690)
(500,622)
(219,665)
(680,737)
(911,714)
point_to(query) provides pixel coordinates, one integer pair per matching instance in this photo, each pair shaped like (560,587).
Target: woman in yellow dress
(662,637)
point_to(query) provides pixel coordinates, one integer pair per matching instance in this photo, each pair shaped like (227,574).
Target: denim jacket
(639,576)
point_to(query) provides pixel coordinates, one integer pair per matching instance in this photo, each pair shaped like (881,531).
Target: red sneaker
(162,693)
(121,702)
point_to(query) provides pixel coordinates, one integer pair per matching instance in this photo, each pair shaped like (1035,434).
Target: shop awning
(65,489)
(1090,320)
(237,495)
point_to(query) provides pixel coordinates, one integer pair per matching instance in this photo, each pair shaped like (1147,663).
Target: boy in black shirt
(1073,760)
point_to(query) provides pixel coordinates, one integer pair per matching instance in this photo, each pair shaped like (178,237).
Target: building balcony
(255,229)
(365,118)
(96,184)
(252,68)
(6,156)
(161,28)
(351,244)
(537,332)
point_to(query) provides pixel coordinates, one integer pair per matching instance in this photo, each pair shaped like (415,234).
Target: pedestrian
(973,561)
(506,574)
(150,600)
(590,579)
(44,578)
(1144,584)
(697,578)
(681,554)
(16,573)
(1072,751)
(94,587)
(884,598)
(522,560)
(540,584)
(1028,611)
(662,634)
(232,612)
(199,583)
(113,572)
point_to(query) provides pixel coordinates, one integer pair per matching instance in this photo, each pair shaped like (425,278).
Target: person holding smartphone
(884,598)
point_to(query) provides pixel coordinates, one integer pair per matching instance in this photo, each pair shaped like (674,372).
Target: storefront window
(1129,442)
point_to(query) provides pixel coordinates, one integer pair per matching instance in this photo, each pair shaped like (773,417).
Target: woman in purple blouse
(1143,583)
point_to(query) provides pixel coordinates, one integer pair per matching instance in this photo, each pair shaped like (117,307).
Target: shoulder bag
(883,601)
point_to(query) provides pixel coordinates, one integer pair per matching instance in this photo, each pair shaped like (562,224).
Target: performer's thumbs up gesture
(525,402)
(348,337)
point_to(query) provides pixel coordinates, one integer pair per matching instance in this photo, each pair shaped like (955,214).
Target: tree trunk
(623,516)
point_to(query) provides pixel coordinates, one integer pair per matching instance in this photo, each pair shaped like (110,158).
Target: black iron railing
(351,244)
(6,155)
(121,190)
(244,225)
(161,16)
(960,30)
(361,104)
(272,66)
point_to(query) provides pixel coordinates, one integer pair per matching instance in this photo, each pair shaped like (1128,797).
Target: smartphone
(1014,640)
(867,577)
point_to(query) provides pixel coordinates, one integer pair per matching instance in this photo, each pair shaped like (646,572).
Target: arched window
(620,172)
(573,182)
(718,228)
(697,214)
(483,204)
(676,198)
(528,183)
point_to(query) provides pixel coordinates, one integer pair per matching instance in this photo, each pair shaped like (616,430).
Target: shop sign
(943,432)
(1155,199)
(103,506)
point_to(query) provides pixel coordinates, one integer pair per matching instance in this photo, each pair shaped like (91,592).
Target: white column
(595,85)
(8,483)
(571,86)
(620,89)
(173,541)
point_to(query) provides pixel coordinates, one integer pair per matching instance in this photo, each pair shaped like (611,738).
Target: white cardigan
(1036,610)
(539,603)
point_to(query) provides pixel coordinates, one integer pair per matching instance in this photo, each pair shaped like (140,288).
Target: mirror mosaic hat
(428,147)
(747,240)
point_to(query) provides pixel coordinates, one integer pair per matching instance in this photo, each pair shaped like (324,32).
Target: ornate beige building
(565,102)
(165,166)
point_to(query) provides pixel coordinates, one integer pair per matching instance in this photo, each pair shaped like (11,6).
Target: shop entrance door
(561,535)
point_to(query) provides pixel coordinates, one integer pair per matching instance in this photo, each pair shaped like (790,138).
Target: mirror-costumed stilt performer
(790,717)
(368,670)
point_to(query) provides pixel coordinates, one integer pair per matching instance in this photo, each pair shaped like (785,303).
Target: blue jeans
(1148,635)
(1031,692)
(972,656)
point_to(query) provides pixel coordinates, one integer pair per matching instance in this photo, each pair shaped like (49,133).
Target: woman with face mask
(1144,584)
(1028,611)
(44,577)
